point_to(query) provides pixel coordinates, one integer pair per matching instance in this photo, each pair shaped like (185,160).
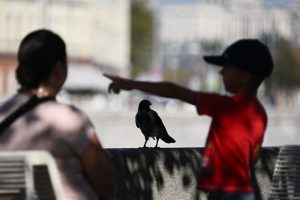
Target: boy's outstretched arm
(163,89)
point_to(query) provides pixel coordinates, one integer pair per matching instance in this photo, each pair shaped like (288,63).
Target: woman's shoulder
(65,118)
(11,103)
(58,108)
(55,112)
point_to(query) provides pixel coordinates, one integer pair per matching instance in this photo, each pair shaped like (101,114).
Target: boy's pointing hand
(117,83)
(113,86)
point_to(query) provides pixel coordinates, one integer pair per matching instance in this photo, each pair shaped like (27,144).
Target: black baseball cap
(248,54)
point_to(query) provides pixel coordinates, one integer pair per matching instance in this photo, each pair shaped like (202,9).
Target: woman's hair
(38,53)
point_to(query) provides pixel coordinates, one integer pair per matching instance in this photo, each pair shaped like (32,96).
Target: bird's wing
(164,134)
(159,121)
(139,118)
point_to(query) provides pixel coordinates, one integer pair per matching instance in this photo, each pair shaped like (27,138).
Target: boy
(238,121)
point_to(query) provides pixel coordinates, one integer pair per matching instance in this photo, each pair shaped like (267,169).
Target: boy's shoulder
(213,96)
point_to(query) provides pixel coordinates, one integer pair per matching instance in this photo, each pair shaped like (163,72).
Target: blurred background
(159,40)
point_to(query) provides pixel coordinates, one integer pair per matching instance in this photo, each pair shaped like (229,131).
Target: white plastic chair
(30,175)
(285,183)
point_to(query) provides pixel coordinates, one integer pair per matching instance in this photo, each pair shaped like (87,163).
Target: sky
(278,2)
(160,4)
(272,2)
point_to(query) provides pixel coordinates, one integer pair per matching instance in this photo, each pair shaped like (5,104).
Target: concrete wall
(170,174)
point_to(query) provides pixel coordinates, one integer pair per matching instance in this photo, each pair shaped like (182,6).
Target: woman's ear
(57,69)
(60,69)
(59,74)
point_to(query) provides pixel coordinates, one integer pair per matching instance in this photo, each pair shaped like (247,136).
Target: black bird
(150,124)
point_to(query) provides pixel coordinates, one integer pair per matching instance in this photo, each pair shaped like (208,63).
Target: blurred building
(96,33)
(224,21)
(188,30)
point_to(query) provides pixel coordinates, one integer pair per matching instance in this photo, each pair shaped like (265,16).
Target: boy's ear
(247,76)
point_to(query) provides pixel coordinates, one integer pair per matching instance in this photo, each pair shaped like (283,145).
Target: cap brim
(216,60)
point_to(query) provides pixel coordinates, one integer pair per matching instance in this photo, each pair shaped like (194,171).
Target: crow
(150,124)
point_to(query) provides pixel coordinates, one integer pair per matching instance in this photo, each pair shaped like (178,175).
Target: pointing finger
(108,76)
(113,89)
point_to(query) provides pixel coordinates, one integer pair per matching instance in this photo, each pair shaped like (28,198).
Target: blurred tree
(286,73)
(142,26)
(287,69)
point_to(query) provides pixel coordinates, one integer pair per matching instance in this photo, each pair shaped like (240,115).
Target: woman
(64,131)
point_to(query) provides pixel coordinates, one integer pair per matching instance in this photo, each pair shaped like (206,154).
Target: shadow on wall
(156,173)
(168,174)
(262,173)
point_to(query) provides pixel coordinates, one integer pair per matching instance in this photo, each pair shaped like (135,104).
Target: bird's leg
(146,140)
(157,138)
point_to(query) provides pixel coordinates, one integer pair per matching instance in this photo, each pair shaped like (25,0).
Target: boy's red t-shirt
(237,127)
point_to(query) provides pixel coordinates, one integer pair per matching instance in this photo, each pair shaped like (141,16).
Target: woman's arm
(163,89)
(98,169)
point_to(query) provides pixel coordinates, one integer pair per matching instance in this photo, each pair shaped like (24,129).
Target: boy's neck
(248,91)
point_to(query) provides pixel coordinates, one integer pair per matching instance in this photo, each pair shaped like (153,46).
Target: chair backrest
(30,175)
(285,184)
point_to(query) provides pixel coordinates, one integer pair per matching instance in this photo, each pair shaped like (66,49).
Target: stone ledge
(170,173)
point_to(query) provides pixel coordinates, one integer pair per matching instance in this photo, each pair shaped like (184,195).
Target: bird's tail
(168,139)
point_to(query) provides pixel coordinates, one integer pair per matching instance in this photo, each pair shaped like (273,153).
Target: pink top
(62,130)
